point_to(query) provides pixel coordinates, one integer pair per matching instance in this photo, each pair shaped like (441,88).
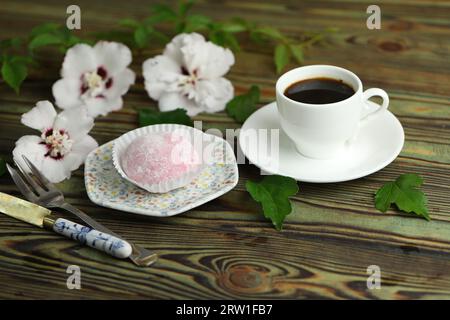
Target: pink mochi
(160,157)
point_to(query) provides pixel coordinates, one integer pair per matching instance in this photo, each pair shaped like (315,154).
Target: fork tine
(21,184)
(43,180)
(31,182)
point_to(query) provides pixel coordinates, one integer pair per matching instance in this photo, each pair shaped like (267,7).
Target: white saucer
(378,143)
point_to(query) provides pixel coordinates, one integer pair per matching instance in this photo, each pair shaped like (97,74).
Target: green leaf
(162,13)
(163,8)
(178,116)
(14,71)
(231,42)
(233,27)
(23,59)
(52,34)
(270,33)
(404,193)
(297,52)
(185,6)
(44,39)
(256,37)
(196,22)
(281,56)
(159,36)
(129,23)
(2,167)
(10,43)
(44,28)
(180,26)
(73,40)
(242,106)
(141,36)
(273,193)
(217,37)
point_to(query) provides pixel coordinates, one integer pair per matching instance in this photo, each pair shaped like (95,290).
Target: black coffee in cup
(319,91)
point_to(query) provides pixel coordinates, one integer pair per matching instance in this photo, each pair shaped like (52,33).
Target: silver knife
(42,217)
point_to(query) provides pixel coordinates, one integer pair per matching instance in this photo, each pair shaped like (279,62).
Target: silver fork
(44,193)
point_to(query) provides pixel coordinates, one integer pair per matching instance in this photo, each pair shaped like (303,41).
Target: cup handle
(368,111)
(374,92)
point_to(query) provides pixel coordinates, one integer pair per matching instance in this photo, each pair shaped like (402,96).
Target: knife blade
(42,217)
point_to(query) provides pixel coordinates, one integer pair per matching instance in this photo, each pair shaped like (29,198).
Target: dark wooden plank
(225,248)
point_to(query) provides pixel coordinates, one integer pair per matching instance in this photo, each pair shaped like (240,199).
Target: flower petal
(79,152)
(173,49)
(121,83)
(54,170)
(84,146)
(78,60)
(30,147)
(174,100)
(207,59)
(114,56)
(41,117)
(102,106)
(66,92)
(75,121)
(213,95)
(189,75)
(159,72)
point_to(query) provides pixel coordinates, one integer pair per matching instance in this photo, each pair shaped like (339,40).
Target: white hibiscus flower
(189,75)
(95,77)
(64,142)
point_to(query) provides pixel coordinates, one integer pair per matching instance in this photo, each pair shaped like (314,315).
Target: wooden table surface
(225,248)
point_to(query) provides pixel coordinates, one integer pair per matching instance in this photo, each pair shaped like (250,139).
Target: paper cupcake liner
(122,143)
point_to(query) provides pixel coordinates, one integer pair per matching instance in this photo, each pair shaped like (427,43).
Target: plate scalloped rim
(227,185)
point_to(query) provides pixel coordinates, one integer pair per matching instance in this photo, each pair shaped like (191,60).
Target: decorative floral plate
(107,188)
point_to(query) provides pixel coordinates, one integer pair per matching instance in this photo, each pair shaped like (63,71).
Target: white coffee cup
(322,131)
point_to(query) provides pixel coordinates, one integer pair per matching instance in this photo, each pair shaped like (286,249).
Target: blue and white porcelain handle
(93,238)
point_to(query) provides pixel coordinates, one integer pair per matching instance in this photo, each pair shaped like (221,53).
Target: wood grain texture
(225,249)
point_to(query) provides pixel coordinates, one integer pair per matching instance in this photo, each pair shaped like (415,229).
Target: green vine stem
(18,54)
